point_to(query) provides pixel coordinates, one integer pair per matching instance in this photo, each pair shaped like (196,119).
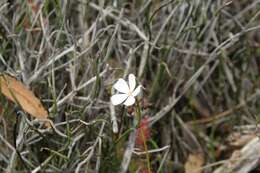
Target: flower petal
(129,101)
(118,98)
(137,91)
(132,82)
(121,86)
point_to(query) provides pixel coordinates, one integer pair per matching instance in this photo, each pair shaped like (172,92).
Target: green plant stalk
(146,152)
(139,116)
(124,134)
(56,153)
(138,113)
(158,80)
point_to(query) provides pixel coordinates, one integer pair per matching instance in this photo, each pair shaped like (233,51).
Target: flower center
(129,93)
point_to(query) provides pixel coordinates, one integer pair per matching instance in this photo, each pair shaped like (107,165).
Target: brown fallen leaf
(194,163)
(237,139)
(16,91)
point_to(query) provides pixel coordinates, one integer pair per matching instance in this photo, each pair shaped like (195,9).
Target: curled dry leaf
(194,163)
(16,91)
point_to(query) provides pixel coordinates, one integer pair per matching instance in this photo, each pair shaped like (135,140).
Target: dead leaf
(238,139)
(16,91)
(194,163)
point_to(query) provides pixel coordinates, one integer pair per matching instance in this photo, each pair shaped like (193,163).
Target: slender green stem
(138,113)
(124,134)
(139,116)
(146,152)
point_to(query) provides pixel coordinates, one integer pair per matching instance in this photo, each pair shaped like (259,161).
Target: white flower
(127,92)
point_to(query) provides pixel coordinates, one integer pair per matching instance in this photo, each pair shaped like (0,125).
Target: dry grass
(197,59)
